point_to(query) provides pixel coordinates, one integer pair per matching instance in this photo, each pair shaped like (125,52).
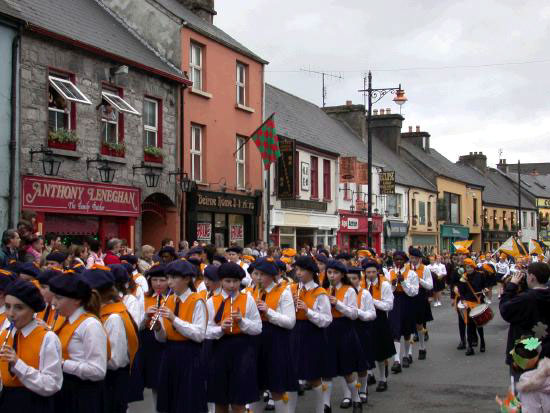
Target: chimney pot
(348,102)
(375,112)
(381,111)
(410,129)
(388,111)
(417,128)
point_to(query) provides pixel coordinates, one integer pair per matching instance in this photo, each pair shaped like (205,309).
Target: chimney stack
(349,103)
(202,8)
(410,129)
(388,111)
(474,159)
(381,112)
(417,128)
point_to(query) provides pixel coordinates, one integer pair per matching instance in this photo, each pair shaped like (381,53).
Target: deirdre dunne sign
(224,202)
(66,196)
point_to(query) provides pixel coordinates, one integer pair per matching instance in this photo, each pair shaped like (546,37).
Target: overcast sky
(475,72)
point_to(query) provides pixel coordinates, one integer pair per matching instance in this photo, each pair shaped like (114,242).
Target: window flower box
(153,154)
(113,149)
(62,139)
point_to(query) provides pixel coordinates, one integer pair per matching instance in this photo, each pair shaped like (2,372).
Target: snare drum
(481,314)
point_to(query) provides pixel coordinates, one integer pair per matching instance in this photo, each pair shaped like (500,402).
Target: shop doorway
(159,220)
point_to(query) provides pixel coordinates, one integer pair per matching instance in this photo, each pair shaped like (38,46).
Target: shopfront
(394,235)
(353,231)
(450,234)
(427,243)
(76,210)
(492,240)
(222,219)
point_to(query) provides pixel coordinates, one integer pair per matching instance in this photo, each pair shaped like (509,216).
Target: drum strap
(473,292)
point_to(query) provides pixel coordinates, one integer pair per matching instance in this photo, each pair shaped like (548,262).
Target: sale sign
(204,231)
(236,232)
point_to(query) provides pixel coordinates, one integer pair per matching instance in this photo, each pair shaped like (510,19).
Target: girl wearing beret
(30,362)
(232,319)
(6,277)
(49,316)
(83,344)
(313,315)
(182,373)
(344,354)
(276,307)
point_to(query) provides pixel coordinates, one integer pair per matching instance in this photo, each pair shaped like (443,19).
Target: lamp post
(373,96)
(106,173)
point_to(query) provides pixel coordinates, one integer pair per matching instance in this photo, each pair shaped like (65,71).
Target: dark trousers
(461,326)
(473,331)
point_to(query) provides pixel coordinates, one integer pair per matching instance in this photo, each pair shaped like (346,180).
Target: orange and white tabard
(239,304)
(393,277)
(308,297)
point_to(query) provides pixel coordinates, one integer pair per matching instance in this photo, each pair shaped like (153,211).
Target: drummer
(470,290)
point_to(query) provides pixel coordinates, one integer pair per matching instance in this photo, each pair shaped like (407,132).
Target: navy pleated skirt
(275,370)
(308,348)
(21,399)
(77,395)
(343,354)
(423,308)
(365,333)
(403,316)
(116,390)
(232,371)
(145,370)
(181,379)
(439,283)
(383,339)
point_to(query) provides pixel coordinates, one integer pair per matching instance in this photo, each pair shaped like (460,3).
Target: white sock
(319,404)
(421,341)
(292,401)
(257,407)
(363,383)
(211,407)
(327,393)
(381,370)
(154,398)
(407,346)
(410,352)
(371,372)
(397,356)
(344,386)
(280,406)
(353,390)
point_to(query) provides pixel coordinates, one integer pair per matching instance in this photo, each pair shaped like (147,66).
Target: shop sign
(285,169)
(353,223)
(543,203)
(204,231)
(305,176)
(362,173)
(347,168)
(448,231)
(76,197)
(236,232)
(387,183)
(225,201)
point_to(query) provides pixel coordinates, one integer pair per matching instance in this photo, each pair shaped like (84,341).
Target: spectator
(95,256)
(146,259)
(534,388)
(9,249)
(166,242)
(34,249)
(183,247)
(78,256)
(528,312)
(113,250)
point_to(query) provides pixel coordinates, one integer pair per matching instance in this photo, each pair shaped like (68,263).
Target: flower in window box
(62,139)
(153,154)
(114,149)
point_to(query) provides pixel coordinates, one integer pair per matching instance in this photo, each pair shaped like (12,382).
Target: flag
(267,141)
(510,247)
(463,244)
(536,247)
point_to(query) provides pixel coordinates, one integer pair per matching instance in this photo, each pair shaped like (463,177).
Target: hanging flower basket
(62,139)
(153,154)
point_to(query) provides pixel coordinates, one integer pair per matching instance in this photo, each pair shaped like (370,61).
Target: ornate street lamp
(186,185)
(106,173)
(151,178)
(50,165)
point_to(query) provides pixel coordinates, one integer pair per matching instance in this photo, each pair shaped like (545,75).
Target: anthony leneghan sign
(76,197)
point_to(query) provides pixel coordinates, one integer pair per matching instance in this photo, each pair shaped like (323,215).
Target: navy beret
(231,270)
(211,272)
(280,265)
(28,293)
(47,275)
(220,258)
(168,250)
(306,263)
(128,267)
(195,250)
(70,285)
(6,277)
(119,274)
(194,261)
(98,279)
(236,248)
(415,252)
(56,256)
(337,265)
(400,254)
(322,258)
(181,268)
(267,266)
(344,256)
(323,252)
(369,264)
(355,270)
(28,268)
(132,259)
(157,270)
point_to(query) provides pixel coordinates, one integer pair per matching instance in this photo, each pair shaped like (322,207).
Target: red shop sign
(204,231)
(76,197)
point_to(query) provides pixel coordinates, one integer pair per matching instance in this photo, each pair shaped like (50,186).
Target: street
(447,381)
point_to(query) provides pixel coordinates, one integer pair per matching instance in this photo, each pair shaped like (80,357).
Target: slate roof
(537,185)
(207,29)
(86,21)
(7,8)
(305,122)
(527,168)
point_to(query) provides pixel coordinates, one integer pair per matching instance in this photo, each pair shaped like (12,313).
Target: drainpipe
(181,160)
(13,127)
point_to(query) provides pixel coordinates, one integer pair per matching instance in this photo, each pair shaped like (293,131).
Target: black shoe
(470,351)
(405,362)
(371,380)
(382,386)
(410,357)
(346,403)
(357,407)
(426,336)
(301,390)
(308,386)
(461,346)
(396,368)
(416,338)
(421,354)
(482,348)
(364,397)
(328,409)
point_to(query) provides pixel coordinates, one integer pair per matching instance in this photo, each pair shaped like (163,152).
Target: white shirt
(114,325)
(87,349)
(367,312)
(141,281)
(386,296)
(247,280)
(48,379)
(502,268)
(425,280)
(285,314)
(250,324)
(201,287)
(134,307)
(195,330)
(93,258)
(348,307)
(320,314)
(410,284)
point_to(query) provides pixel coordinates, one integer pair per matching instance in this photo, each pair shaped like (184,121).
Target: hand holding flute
(158,311)
(7,353)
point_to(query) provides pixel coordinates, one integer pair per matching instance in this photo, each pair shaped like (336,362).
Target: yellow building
(423,220)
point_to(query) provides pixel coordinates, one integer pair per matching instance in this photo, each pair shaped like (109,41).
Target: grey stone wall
(40,54)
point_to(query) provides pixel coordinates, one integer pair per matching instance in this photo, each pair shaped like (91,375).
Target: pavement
(447,381)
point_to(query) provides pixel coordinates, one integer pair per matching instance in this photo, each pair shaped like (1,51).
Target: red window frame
(326,180)
(159,118)
(314,177)
(53,71)
(108,87)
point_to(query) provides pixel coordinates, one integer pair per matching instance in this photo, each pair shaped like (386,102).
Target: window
(195,65)
(326,179)
(413,212)
(151,122)
(196,153)
(314,177)
(512,220)
(524,218)
(59,112)
(393,205)
(452,206)
(68,90)
(241,160)
(287,237)
(422,213)
(119,103)
(241,84)
(109,123)
(475,212)
(504,223)
(429,214)
(532,219)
